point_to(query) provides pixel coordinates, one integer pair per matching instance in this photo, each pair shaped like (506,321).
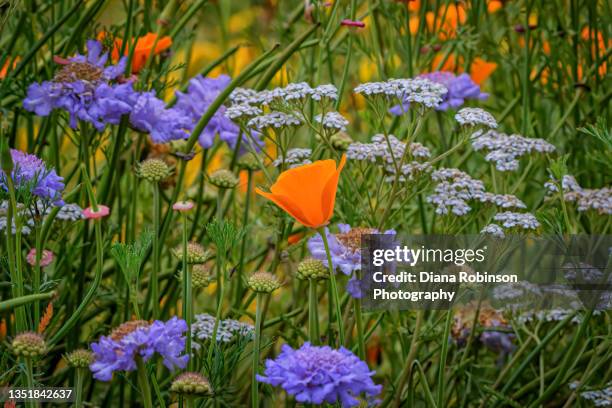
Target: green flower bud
(311,268)
(29,345)
(153,170)
(196,254)
(263,282)
(80,358)
(201,276)
(248,161)
(191,383)
(223,179)
(341,141)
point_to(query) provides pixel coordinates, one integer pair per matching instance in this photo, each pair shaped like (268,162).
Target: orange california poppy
(5,68)
(307,193)
(142,50)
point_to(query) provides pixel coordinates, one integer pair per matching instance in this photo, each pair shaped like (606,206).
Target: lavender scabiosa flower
(200,94)
(32,177)
(318,375)
(345,249)
(86,88)
(460,88)
(138,338)
(150,115)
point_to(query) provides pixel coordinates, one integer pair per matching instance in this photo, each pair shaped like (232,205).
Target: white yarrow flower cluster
(416,90)
(203,326)
(505,150)
(276,120)
(475,117)
(332,120)
(242,111)
(493,230)
(586,199)
(294,158)
(386,149)
(510,219)
(455,188)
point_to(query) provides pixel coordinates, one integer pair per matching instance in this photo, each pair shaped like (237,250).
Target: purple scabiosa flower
(460,87)
(139,338)
(85,88)
(199,96)
(317,375)
(345,250)
(31,176)
(149,114)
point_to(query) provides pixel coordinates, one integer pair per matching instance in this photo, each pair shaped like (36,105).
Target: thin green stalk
(36,279)
(333,287)
(156,264)
(359,323)
(407,372)
(313,320)
(187,293)
(245,221)
(256,347)
(220,295)
(442,366)
(143,383)
(24,300)
(30,378)
(78,392)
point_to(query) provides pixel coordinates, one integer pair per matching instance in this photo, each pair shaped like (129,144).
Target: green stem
(30,378)
(220,291)
(407,372)
(245,221)
(256,347)
(313,321)
(333,287)
(443,354)
(14,250)
(36,279)
(78,392)
(359,323)
(155,271)
(24,300)
(143,382)
(187,294)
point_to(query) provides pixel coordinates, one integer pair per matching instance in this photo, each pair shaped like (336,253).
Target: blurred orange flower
(144,47)
(307,193)
(480,70)
(4,69)
(447,21)
(295,238)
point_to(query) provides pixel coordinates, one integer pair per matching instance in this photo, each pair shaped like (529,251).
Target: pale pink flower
(182,206)
(90,214)
(45,259)
(352,23)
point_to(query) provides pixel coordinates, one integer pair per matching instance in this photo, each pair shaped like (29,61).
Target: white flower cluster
(475,117)
(293,92)
(511,219)
(505,150)
(552,315)
(583,272)
(455,188)
(276,120)
(294,158)
(416,90)
(385,149)
(599,398)
(586,199)
(242,110)
(493,230)
(332,120)
(68,212)
(203,326)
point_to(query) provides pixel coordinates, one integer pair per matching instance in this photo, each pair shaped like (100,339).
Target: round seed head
(311,268)
(196,254)
(341,141)
(201,276)
(223,179)
(248,161)
(80,358)
(263,282)
(29,345)
(153,170)
(191,383)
